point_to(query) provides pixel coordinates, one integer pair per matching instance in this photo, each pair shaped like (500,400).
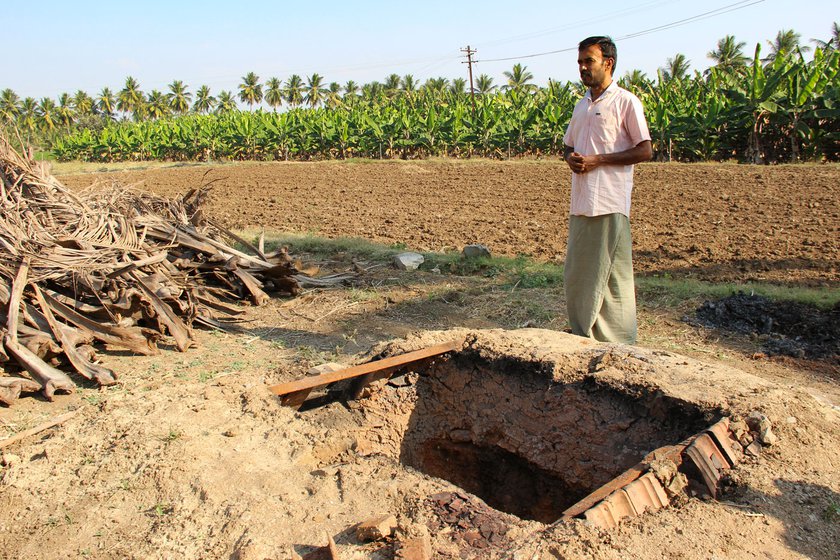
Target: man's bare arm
(581,164)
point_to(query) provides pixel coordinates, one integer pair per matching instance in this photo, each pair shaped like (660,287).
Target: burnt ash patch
(789,328)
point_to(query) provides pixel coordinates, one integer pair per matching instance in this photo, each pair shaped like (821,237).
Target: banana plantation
(778,109)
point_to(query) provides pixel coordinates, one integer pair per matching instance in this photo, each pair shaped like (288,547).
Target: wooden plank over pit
(294,393)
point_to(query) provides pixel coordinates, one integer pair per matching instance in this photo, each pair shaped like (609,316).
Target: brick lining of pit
(527,444)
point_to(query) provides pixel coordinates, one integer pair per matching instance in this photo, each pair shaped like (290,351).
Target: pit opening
(528,438)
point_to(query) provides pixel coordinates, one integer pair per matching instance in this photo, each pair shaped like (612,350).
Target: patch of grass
(519,272)
(310,354)
(362,295)
(524,272)
(672,291)
(161,509)
(206,376)
(171,436)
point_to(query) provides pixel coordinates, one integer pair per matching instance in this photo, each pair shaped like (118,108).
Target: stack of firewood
(113,266)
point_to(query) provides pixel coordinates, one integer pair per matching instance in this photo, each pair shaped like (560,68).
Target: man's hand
(581,164)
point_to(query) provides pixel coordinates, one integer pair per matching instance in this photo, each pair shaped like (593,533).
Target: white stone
(408,261)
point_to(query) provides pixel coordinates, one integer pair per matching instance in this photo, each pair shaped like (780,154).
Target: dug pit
(529,437)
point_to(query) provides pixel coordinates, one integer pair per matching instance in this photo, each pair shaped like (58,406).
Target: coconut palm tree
(274,93)
(47,114)
(785,44)
(729,55)
(83,104)
(179,97)
(436,85)
(333,99)
(131,98)
(250,90)
(314,90)
(204,102)
(106,103)
(27,117)
(351,90)
(157,105)
(293,91)
(484,84)
(65,112)
(676,68)
(226,102)
(392,86)
(373,92)
(519,79)
(408,85)
(9,105)
(458,87)
(833,42)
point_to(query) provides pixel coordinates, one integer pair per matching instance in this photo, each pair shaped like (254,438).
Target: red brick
(376,528)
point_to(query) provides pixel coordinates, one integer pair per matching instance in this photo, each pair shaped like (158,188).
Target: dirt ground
(190,456)
(712,222)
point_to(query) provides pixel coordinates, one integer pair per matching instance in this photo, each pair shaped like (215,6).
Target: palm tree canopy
(458,86)
(131,99)
(157,106)
(204,102)
(106,102)
(47,113)
(274,92)
(484,84)
(833,43)
(9,104)
(83,103)
(250,90)
(179,97)
(226,102)
(294,90)
(785,44)
(392,84)
(729,54)
(676,68)
(519,78)
(351,88)
(408,84)
(314,89)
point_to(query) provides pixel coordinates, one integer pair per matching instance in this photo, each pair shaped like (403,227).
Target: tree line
(777,108)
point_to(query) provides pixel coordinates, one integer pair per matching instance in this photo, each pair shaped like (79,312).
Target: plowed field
(713,222)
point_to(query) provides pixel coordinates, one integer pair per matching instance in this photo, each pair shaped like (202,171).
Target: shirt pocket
(605,127)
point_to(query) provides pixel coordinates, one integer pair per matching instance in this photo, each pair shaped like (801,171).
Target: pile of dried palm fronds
(115,266)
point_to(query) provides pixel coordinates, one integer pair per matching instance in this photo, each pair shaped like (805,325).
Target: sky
(51,47)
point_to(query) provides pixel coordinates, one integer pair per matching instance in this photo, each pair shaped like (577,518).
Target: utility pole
(469,62)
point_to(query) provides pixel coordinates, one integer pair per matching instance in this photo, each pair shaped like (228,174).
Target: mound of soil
(791,328)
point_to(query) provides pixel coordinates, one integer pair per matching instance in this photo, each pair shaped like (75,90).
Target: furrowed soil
(191,456)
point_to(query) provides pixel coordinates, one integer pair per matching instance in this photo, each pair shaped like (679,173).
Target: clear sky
(50,47)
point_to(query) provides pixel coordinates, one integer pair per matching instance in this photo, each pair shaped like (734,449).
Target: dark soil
(788,328)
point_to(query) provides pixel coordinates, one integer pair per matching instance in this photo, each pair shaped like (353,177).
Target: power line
(614,14)
(705,15)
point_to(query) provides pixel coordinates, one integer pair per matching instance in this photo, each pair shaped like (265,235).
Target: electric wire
(705,15)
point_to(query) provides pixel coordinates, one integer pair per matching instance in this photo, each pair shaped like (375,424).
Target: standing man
(606,137)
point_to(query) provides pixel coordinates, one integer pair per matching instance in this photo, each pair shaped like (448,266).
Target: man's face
(594,69)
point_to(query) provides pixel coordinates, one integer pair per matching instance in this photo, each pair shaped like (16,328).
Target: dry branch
(122,267)
(38,429)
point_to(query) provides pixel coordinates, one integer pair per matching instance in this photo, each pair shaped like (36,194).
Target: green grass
(674,290)
(522,272)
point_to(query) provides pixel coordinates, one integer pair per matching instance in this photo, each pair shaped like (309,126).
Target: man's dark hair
(607,46)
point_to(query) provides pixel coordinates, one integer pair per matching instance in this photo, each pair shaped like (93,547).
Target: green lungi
(598,278)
